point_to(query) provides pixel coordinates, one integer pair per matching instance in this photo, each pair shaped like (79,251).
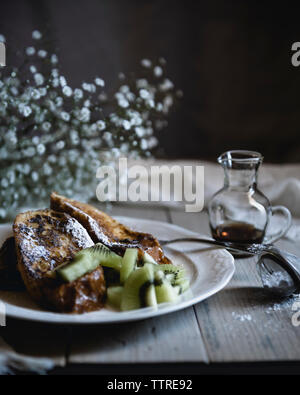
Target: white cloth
(280,183)
(10,361)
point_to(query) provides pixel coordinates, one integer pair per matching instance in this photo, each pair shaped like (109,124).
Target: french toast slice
(103,228)
(44,240)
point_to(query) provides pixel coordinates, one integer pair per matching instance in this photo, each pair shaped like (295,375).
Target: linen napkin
(10,361)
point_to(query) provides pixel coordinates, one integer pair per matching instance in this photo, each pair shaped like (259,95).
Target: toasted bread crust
(103,228)
(44,240)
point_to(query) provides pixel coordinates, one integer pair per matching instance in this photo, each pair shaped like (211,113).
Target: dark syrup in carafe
(238,232)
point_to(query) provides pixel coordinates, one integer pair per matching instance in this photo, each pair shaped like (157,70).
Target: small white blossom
(78,94)
(65,116)
(34,176)
(84,115)
(62,81)
(36,35)
(39,79)
(158,71)
(59,101)
(2,38)
(54,59)
(60,145)
(146,63)
(55,82)
(33,69)
(99,82)
(126,124)
(35,140)
(101,125)
(89,87)
(41,149)
(144,144)
(30,51)
(43,91)
(144,94)
(142,83)
(124,89)
(55,73)
(42,53)
(25,110)
(67,91)
(166,85)
(46,126)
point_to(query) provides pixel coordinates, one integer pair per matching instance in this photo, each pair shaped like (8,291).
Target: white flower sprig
(54,136)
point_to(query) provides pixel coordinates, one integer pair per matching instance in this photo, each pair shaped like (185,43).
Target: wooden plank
(243,322)
(171,338)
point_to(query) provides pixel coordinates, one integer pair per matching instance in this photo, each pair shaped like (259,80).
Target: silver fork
(278,270)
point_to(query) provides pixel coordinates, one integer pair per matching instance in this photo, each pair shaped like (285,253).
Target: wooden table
(241,329)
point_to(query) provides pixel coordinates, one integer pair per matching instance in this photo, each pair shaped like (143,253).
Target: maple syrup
(238,232)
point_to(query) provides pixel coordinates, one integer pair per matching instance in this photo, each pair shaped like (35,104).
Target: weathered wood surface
(240,324)
(171,338)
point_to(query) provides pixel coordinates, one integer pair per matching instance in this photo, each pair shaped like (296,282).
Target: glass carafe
(239,212)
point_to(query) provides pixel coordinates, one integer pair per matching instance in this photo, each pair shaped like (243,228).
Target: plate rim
(141,314)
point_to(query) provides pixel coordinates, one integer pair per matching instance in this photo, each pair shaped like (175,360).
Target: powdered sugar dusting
(241,317)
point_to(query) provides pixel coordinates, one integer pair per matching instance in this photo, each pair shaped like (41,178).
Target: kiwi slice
(107,258)
(88,260)
(165,292)
(174,274)
(114,296)
(136,293)
(150,296)
(129,263)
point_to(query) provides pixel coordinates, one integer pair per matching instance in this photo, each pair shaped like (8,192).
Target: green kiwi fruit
(88,260)
(114,296)
(129,263)
(136,293)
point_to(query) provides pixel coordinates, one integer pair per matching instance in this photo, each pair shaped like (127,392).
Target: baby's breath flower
(46,126)
(62,81)
(60,145)
(65,116)
(141,83)
(42,53)
(36,35)
(158,71)
(30,51)
(101,125)
(25,110)
(89,87)
(84,114)
(166,85)
(144,94)
(99,82)
(39,79)
(146,63)
(67,91)
(78,94)
(54,59)
(71,138)
(41,149)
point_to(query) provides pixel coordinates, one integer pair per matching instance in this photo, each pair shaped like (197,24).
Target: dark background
(232,59)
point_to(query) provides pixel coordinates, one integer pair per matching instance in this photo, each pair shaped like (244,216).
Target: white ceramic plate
(209,270)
